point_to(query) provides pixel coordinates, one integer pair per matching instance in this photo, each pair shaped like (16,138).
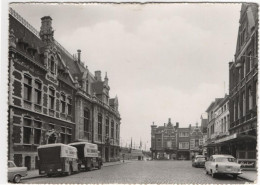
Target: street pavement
(141,172)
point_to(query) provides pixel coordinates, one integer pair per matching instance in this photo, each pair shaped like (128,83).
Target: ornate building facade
(172,142)
(53,98)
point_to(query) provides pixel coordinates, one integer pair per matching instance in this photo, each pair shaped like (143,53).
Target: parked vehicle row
(218,164)
(65,159)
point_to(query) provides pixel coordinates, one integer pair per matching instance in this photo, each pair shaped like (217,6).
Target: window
(107,126)
(27,130)
(63,135)
(117,131)
(244,71)
(234,111)
(69,133)
(87,86)
(238,108)
(250,101)
(250,62)
(69,105)
(239,74)
(112,129)
(86,120)
(183,145)
(196,143)
(52,66)
(244,104)
(37,131)
(184,134)
(27,87)
(63,103)
(51,98)
(99,126)
(256,92)
(38,93)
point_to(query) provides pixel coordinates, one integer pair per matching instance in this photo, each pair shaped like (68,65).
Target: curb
(243,178)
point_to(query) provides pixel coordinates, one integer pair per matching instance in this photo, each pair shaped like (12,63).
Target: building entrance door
(27,162)
(107,154)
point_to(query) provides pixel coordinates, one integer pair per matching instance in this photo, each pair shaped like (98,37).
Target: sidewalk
(35,173)
(249,176)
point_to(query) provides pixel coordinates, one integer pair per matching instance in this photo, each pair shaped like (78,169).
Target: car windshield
(225,159)
(11,165)
(201,159)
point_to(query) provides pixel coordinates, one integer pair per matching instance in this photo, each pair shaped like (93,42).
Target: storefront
(183,155)
(242,147)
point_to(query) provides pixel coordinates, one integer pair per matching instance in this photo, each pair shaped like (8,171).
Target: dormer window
(52,65)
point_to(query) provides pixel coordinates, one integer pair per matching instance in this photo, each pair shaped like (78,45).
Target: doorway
(107,154)
(27,162)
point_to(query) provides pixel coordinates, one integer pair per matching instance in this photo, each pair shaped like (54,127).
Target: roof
(82,143)
(213,104)
(221,155)
(54,145)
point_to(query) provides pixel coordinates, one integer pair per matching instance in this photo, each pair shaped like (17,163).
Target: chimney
(190,125)
(79,52)
(46,31)
(98,76)
(164,124)
(169,120)
(177,124)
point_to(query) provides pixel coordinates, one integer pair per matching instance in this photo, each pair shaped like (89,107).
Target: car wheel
(17,178)
(235,176)
(206,171)
(49,174)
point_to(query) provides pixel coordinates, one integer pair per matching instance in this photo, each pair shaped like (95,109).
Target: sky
(163,61)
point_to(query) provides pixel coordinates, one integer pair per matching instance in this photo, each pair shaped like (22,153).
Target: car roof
(200,156)
(221,155)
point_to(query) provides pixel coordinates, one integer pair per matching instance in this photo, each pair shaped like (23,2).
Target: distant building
(163,141)
(196,141)
(172,142)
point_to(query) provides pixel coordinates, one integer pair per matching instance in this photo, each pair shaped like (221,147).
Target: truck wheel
(17,178)
(49,174)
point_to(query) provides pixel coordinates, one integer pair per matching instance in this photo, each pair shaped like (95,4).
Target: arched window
(27,87)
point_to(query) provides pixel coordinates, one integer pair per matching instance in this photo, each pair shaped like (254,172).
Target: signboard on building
(233,136)
(247,163)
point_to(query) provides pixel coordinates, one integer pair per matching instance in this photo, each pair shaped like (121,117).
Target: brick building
(243,84)
(53,98)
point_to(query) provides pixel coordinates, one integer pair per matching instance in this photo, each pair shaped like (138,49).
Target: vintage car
(222,164)
(199,161)
(16,173)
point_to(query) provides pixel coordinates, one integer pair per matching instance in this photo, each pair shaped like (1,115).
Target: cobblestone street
(142,172)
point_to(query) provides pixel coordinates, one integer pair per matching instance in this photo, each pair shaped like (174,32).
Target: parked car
(222,164)
(16,173)
(199,161)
